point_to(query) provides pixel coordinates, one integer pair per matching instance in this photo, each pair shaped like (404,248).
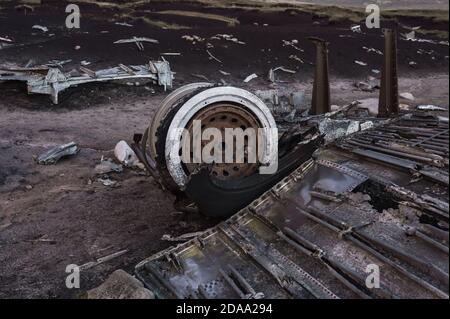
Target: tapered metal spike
(388,100)
(321,89)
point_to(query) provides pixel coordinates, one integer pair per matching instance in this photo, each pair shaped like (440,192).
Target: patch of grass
(434,15)
(156,23)
(332,12)
(230,21)
(101,4)
(161,24)
(441,34)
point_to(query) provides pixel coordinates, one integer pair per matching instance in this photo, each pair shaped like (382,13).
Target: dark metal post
(388,100)
(321,89)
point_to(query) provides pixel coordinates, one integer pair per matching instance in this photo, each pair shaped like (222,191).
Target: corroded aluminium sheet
(317,232)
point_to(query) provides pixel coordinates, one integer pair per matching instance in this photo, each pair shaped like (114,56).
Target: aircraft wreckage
(52,81)
(353,192)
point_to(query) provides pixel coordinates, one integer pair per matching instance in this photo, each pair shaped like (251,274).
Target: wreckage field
(85,90)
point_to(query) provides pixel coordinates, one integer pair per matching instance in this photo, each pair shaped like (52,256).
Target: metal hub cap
(222,116)
(219,107)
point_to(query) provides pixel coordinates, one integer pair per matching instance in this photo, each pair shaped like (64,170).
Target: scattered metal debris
(138,41)
(193,38)
(107,166)
(184,237)
(422,51)
(283,104)
(296,58)
(365,86)
(411,36)
(271,75)
(282,68)
(360,63)
(51,81)
(103,260)
(55,154)
(5,39)
(200,76)
(171,53)
(368,50)
(250,77)
(40,27)
(292,44)
(26,7)
(213,57)
(430,107)
(124,24)
(356,28)
(42,239)
(335,129)
(227,37)
(57,63)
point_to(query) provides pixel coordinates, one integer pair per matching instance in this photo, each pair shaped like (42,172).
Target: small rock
(120,285)
(407,96)
(107,181)
(404,107)
(125,154)
(370,104)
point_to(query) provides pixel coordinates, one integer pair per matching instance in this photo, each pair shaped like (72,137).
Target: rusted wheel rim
(222,116)
(164,108)
(207,98)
